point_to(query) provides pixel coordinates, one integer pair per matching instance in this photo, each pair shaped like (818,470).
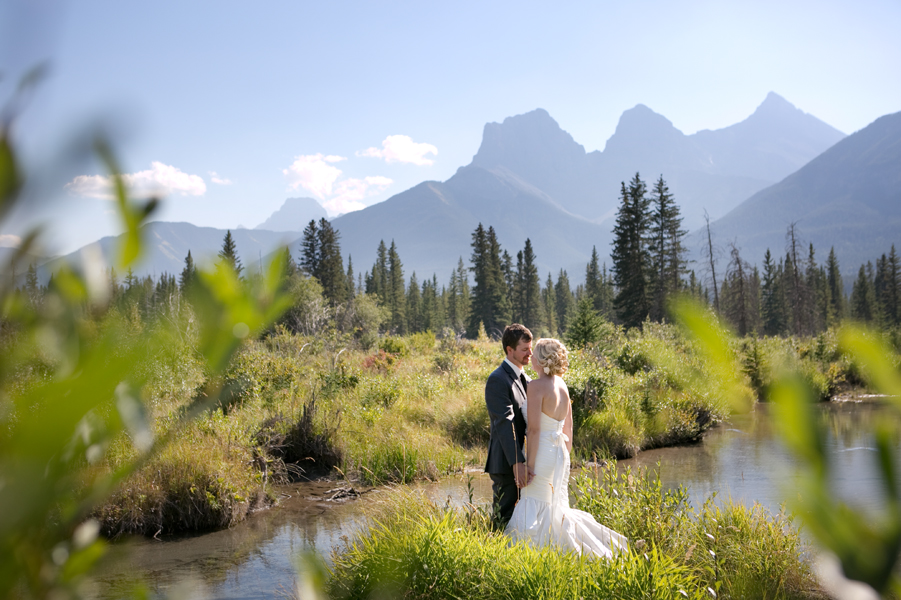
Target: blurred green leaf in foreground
(54,432)
(865,545)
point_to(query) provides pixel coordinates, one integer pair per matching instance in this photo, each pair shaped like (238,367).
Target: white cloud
(159,180)
(214,177)
(314,173)
(317,174)
(349,193)
(8,240)
(402,148)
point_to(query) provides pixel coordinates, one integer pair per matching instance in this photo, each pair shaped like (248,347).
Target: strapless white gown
(543,516)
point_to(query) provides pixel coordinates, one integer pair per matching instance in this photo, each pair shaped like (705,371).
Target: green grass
(416,548)
(411,408)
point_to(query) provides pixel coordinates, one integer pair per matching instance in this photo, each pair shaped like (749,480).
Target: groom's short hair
(513,334)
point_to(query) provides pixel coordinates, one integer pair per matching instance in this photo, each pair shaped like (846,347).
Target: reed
(417,548)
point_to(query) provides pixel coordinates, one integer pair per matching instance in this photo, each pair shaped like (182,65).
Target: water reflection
(740,460)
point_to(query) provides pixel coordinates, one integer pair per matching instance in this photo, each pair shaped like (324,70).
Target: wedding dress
(543,516)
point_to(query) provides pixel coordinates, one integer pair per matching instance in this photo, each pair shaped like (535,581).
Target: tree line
(794,294)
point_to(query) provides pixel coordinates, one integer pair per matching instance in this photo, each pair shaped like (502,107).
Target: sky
(228,108)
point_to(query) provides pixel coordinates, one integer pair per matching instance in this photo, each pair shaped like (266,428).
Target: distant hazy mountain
(849,197)
(294,215)
(712,170)
(432,225)
(531,179)
(167,244)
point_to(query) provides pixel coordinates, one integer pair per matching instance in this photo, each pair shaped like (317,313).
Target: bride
(542,515)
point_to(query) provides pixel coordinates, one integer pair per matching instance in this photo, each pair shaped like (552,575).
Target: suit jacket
(505,397)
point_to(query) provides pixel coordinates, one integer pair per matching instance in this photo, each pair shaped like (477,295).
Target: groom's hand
(521,475)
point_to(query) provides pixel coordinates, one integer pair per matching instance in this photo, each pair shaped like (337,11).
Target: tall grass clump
(414,547)
(636,392)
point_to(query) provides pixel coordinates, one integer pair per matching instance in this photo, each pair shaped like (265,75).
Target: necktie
(522,378)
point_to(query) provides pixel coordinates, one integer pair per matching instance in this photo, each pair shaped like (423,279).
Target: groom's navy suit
(505,395)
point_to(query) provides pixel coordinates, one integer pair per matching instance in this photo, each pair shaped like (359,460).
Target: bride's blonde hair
(551,355)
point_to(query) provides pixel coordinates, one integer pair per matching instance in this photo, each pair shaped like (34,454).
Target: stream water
(740,460)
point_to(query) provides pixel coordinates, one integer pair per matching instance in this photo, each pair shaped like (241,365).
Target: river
(740,460)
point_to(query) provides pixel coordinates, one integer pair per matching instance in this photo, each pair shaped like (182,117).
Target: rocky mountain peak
(526,141)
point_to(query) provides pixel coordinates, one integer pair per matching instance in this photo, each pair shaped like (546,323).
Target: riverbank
(409,409)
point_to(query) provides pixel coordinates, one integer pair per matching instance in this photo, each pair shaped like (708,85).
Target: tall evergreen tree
(330,270)
(836,290)
(893,295)
(530,289)
(862,304)
(593,281)
(309,250)
(565,302)
(549,301)
(630,257)
(377,281)
(351,285)
(739,296)
(798,296)
(490,306)
(666,249)
(396,292)
(414,306)
(188,274)
(229,254)
(771,306)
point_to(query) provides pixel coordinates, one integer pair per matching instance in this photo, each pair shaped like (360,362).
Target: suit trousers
(505,495)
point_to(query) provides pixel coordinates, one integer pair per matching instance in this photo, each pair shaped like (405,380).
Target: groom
(505,394)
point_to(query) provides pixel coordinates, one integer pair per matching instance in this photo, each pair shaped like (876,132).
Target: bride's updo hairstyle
(551,355)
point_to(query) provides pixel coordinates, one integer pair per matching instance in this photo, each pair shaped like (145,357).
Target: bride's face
(536,365)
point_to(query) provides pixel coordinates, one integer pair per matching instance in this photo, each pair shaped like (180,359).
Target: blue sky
(231,107)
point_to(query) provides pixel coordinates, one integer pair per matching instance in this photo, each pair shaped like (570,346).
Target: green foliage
(416,548)
(58,431)
(395,345)
(866,545)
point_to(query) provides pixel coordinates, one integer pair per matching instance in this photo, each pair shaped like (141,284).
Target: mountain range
(848,197)
(531,179)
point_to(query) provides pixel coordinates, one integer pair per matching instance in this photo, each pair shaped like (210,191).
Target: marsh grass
(411,408)
(414,547)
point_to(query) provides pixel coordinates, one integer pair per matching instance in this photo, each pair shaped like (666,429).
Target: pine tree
(565,303)
(490,306)
(330,271)
(414,306)
(309,250)
(605,306)
(836,290)
(893,297)
(549,300)
(350,286)
(188,274)
(771,306)
(530,289)
(228,256)
(396,293)
(630,258)
(862,308)
(457,305)
(666,249)
(737,300)
(797,294)
(593,281)
(377,281)
(586,325)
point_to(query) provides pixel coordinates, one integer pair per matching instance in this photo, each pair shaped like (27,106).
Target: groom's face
(521,355)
